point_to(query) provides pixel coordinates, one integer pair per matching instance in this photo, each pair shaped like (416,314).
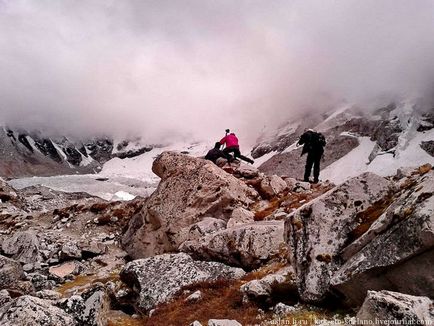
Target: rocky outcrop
(246,245)
(319,230)
(190,190)
(23,246)
(157,279)
(405,232)
(31,311)
(428,146)
(395,308)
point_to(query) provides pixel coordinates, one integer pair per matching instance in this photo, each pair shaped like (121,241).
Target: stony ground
(213,244)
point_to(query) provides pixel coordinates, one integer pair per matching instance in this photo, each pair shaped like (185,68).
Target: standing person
(232,146)
(214,154)
(314,143)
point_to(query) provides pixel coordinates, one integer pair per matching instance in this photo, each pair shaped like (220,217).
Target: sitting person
(216,155)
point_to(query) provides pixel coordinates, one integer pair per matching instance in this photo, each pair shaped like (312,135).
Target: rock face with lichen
(319,230)
(190,190)
(387,306)
(247,245)
(398,244)
(28,310)
(370,233)
(157,279)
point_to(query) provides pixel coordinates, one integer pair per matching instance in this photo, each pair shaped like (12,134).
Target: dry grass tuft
(369,216)
(220,300)
(290,201)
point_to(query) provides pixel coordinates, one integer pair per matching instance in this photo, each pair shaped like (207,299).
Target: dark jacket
(313,142)
(216,153)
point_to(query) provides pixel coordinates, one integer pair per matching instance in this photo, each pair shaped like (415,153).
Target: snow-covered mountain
(380,141)
(26,153)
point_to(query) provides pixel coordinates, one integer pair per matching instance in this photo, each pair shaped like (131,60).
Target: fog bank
(188,69)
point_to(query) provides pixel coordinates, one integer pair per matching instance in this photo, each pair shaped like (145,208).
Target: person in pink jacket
(232,146)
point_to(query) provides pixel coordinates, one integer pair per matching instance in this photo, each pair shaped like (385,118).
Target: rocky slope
(219,246)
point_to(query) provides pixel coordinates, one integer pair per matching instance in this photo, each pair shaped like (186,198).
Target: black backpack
(318,140)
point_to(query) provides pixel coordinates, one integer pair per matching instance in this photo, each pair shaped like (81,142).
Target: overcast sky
(183,68)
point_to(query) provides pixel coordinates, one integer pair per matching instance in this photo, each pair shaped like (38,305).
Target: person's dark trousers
(313,159)
(237,154)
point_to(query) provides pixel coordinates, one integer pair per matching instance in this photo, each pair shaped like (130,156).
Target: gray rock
(256,289)
(89,308)
(10,272)
(302,186)
(282,281)
(157,279)
(70,250)
(428,146)
(405,232)
(195,323)
(4,297)
(246,171)
(31,311)
(28,267)
(190,189)
(247,245)
(195,296)
(223,322)
(41,282)
(207,226)
(240,216)
(397,308)
(92,248)
(319,230)
(23,246)
(272,186)
(48,295)
(282,309)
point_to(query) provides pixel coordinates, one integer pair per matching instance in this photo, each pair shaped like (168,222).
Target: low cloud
(187,69)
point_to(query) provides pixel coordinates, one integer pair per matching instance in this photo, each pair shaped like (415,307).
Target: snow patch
(123,195)
(351,165)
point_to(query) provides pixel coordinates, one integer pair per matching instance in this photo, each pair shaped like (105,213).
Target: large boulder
(157,279)
(405,231)
(190,190)
(23,246)
(31,311)
(319,230)
(10,272)
(395,308)
(248,245)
